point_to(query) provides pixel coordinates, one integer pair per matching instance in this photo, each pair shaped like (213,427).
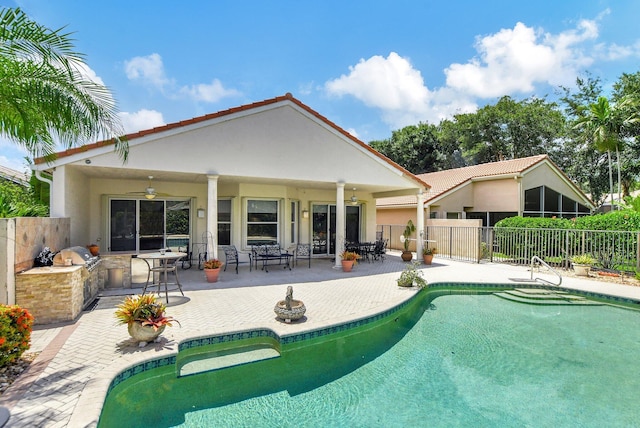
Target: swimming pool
(441,360)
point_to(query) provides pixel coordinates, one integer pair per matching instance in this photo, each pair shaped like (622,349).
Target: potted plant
(582,264)
(144,316)
(349,258)
(408,231)
(411,276)
(212,269)
(94,249)
(428,253)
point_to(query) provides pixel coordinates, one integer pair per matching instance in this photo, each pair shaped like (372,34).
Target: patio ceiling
(197,178)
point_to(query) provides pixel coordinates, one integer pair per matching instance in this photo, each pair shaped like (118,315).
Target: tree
(604,124)
(628,86)
(414,147)
(19,201)
(579,158)
(510,129)
(44,97)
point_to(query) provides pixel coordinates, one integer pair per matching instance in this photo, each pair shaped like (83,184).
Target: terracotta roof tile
(444,181)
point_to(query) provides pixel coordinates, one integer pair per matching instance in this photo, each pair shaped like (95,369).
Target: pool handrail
(537,259)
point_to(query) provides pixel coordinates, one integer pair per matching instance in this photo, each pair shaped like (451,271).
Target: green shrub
(516,240)
(627,220)
(583,259)
(15,333)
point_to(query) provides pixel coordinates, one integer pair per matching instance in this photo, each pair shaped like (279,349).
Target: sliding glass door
(324,227)
(142,225)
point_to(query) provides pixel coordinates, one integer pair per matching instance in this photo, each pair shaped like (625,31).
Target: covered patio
(273,171)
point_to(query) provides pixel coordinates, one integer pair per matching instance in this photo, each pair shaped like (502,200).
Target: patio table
(162,269)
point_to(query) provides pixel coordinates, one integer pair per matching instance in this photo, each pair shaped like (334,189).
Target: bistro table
(162,268)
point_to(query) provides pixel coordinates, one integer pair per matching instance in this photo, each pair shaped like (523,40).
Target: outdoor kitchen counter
(52,294)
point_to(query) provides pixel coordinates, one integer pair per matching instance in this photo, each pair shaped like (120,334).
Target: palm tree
(45,99)
(604,125)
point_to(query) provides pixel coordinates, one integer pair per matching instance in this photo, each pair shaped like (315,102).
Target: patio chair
(232,255)
(303,251)
(380,249)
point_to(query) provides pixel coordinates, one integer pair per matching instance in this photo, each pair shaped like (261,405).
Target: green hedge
(518,239)
(15,333)
(626,220)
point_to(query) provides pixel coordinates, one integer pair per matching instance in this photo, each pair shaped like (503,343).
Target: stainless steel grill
(82,257)
(78,256)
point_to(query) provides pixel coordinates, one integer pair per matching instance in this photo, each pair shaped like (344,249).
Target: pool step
(544,297)
(216,360)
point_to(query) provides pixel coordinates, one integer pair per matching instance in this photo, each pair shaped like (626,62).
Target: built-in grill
(77,256)
(80,256)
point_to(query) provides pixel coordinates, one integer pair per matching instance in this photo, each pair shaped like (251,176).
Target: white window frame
(246,222)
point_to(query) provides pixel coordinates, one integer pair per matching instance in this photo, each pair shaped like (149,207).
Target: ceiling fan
(150,191)
(354,199)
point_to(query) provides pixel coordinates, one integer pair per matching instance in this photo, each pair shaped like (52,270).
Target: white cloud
(392,85)
(515,60)
(510,61)
(390,82)
(148,69)
(210,93)
(140,120)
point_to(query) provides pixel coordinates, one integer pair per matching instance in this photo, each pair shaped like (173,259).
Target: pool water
(469,360)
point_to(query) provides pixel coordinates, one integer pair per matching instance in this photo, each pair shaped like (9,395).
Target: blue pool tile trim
(454,287)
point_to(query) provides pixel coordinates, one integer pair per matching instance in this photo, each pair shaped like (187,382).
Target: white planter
(582,270)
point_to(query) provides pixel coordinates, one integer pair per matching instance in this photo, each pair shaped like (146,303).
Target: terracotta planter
(407,256)
(347,265)
(144,333)
(94,250)
(212,274)
(428,258)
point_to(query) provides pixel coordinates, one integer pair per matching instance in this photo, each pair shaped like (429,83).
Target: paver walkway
(66,385)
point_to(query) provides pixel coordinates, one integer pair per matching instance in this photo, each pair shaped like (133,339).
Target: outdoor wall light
(200,212)
(305,213)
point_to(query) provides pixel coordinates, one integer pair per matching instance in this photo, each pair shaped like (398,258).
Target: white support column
(420,224)
(212,215)
(340,223)
(57,195)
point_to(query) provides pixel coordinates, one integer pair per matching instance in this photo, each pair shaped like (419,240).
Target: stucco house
(271,171)
(532,187)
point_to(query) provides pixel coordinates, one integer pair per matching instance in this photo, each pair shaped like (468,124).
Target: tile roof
(442,182)
(246,107)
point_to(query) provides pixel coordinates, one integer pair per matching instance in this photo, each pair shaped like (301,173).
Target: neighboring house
(14,176)
(271,171)
(531,187)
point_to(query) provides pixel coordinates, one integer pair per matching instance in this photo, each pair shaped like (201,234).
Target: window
(532,199)
(224,222)
(545,202)
(551,202)
(262,222)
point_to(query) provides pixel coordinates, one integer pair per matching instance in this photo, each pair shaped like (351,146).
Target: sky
(371,67)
